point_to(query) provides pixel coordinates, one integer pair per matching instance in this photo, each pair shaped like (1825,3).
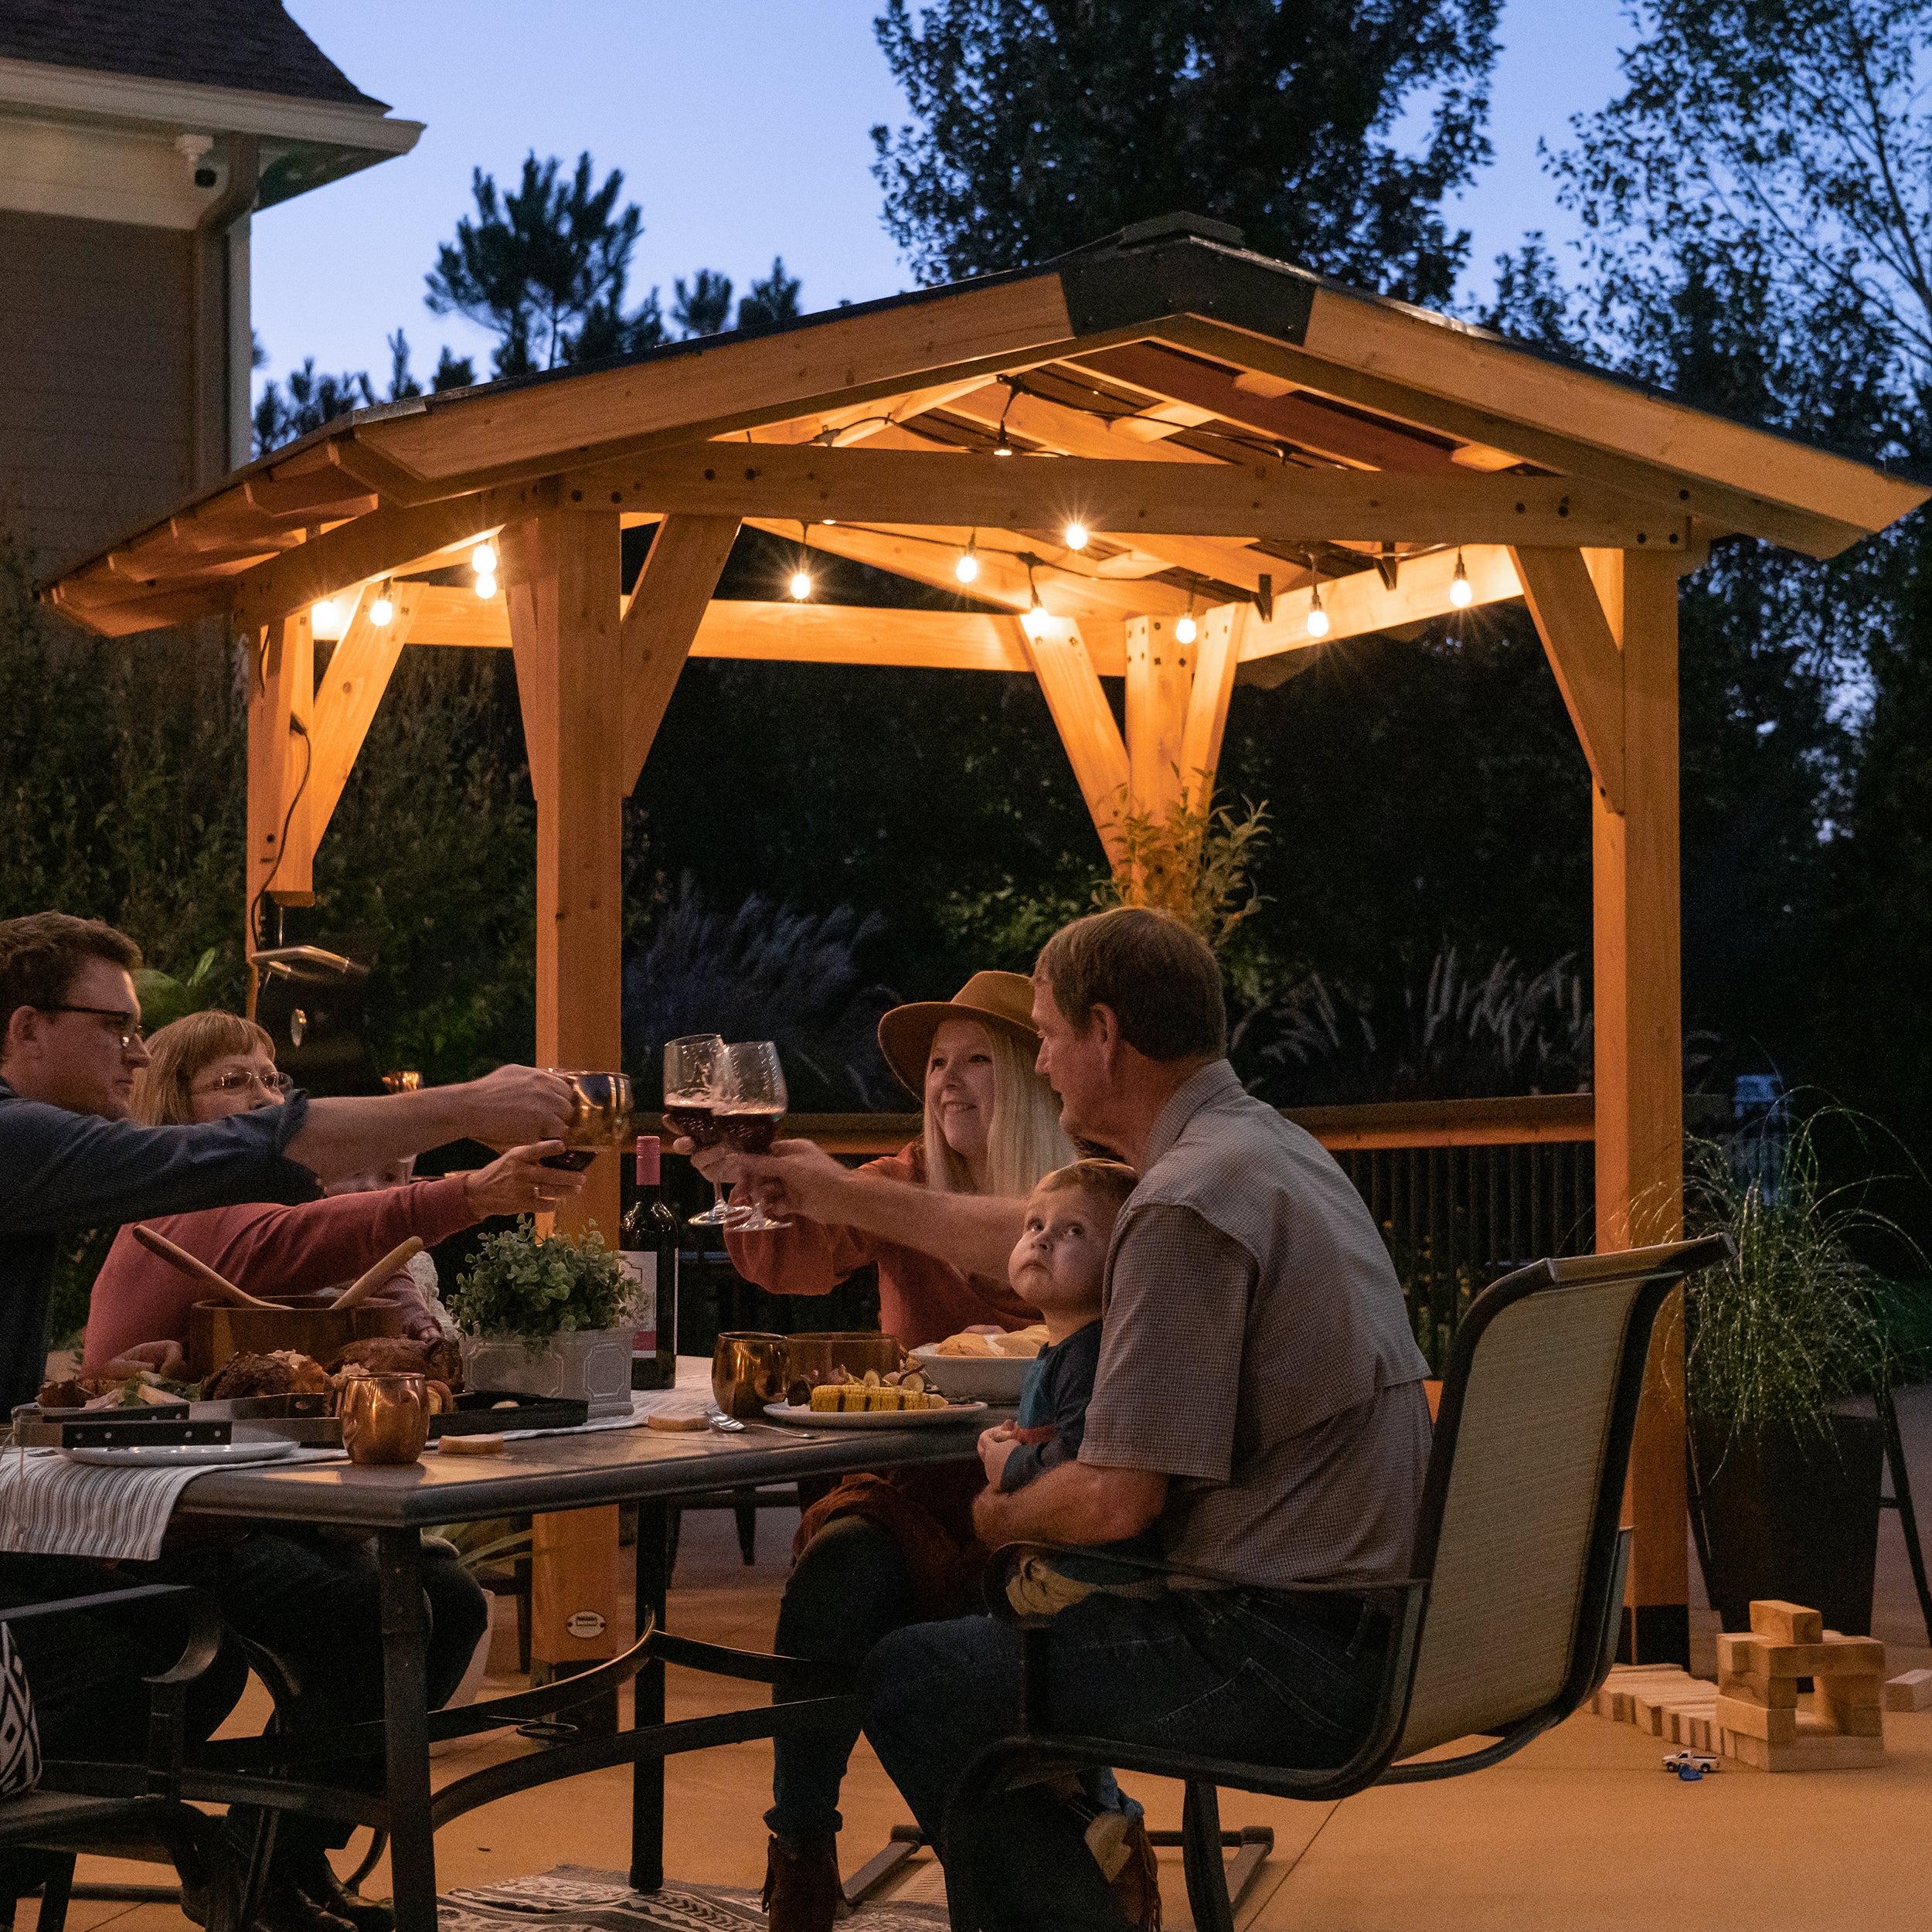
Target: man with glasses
(70,1157)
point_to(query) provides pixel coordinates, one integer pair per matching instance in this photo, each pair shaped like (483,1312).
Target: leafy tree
(775,299)
(543,266)
(1037,125)
(705,307)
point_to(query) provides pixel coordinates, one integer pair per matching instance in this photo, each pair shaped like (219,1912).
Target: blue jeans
(849,1589)
(1233,1674)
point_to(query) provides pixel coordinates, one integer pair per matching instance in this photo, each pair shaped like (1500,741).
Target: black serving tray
(476,1413)
(153,1427)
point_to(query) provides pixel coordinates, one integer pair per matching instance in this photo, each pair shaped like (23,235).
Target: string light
(1460,595)
(1186,629)
(326,619)
(801,584)
(381,608)
(967,568)
(1001,446)
(1035,622)
(485,586)
(1075,536)
(483,560)
(1318,617)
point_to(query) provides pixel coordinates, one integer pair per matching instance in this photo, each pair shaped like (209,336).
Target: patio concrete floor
(1582,1830)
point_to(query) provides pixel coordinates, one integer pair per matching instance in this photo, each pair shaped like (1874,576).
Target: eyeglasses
(278,1084)
(126,1027)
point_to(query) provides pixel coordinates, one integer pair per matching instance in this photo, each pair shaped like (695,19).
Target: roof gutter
(213,347)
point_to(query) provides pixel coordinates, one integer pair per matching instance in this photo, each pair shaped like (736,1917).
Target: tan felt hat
(1003,1001)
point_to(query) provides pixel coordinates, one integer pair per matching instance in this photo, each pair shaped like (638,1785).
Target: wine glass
(747,1113)
(694,1067)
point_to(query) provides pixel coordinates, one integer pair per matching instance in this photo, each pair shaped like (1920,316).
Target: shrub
(522,1285)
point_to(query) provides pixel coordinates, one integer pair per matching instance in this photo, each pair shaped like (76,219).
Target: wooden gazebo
(1165,455)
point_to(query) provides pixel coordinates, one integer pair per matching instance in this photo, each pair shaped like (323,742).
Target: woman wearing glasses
(210,1065)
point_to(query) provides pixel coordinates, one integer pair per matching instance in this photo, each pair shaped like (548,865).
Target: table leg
(411,1841)
(647,1775)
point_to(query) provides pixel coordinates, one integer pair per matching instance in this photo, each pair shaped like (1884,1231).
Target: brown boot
(802,1891)
(1136,1881)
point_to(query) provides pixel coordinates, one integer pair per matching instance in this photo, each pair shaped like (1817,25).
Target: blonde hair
(179,1052)
(1024,1140)
(1110,1182)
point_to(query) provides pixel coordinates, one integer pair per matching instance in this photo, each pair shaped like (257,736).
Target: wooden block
(1912,1691)
(1786,1623)
(1849,1720)
(1818,1752)
(1741,1656)
(1757,1720)
(1860,1693)
(1775,1693)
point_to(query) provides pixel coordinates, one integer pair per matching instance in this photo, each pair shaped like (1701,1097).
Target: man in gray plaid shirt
(1259,1401)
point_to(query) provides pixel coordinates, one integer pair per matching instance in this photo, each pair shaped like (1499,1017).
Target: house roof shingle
(248,44)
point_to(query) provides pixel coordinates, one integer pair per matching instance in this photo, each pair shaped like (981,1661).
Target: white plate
(871,1418)
(973,1378)
(176,1454)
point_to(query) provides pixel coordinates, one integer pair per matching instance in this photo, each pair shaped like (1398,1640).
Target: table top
(570,1471)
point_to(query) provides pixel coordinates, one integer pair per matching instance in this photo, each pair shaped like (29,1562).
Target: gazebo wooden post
(281,690)
(1608,620)
(561,575)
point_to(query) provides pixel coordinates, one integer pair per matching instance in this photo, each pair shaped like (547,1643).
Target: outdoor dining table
(567,1470)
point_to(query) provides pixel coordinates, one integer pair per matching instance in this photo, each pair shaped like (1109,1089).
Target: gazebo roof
(1229,427)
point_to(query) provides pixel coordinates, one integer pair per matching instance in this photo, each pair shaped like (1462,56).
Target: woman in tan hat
(939,1218)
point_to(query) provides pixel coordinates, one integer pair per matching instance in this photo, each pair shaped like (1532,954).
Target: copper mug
(747,1371)
(386,1418)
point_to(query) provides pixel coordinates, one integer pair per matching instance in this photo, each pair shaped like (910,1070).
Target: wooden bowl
(308,1324)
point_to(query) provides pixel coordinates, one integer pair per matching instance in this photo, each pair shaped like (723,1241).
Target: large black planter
(1791,1514)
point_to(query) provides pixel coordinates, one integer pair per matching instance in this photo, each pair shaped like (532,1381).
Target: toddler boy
(1057,1266)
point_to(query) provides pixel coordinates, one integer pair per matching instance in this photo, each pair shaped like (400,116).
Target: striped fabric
(51,1506)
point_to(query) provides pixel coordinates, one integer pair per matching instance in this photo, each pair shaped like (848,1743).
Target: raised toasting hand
(518,1182)
(792,1177)
(512,1107)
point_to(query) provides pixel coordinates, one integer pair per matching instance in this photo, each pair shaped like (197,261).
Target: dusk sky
(742,129)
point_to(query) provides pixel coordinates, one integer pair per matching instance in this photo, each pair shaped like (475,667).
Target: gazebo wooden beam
(1083,719)
(281,689)
(1358,604)
(351,688)
(1582,652)
(1262,498)
(666,608)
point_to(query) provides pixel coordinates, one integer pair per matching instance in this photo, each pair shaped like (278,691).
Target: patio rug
(575,1898)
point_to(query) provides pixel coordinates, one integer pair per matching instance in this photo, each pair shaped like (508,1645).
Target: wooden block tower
(1758,1711)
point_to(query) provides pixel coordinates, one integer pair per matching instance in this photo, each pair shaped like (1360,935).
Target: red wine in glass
(690,1119)
(751,1129)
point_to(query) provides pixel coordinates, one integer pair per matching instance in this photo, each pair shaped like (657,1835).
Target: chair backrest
(1518,1533)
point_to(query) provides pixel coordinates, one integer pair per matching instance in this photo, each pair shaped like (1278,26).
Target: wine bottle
(649,1249)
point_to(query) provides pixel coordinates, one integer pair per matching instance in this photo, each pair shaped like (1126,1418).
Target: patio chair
(127,1811)
(1511,1618)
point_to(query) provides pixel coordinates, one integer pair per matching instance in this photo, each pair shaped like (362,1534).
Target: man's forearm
(347,1134)
(1077,1503)
(975,1232)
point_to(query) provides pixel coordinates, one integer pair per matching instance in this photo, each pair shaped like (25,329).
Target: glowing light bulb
(1460,595)
(485,584)
(325,616)
(1186,629)
(382,609)
(1075,536)
(800,585)
(1318,617)
(1002,447)
(967,568)
(483,560)
(1035,622)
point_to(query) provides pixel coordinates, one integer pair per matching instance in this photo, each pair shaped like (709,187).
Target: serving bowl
(973,1378)
(308,1324)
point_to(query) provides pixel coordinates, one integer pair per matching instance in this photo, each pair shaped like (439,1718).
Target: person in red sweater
(940,1219)
(214,1063)
(307,1599)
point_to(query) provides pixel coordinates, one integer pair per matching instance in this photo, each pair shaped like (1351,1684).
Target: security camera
(194,149)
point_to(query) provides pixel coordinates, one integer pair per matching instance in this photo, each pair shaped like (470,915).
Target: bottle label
(641,1265)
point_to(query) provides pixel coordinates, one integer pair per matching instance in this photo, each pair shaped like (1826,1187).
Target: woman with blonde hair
(880,1551)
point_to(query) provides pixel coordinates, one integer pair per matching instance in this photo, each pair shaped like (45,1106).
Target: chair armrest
(168,1709)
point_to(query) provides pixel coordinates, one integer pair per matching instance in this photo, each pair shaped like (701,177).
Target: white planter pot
(591,1365)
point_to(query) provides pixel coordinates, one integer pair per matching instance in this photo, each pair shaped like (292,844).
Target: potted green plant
(547,1316)
(1784,1475)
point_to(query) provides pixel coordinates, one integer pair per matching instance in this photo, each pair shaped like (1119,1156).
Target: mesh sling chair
(128,1810)
(1512,1618)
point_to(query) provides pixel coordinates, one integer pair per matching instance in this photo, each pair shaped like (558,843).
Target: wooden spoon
(180,1258)
(398,1258)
